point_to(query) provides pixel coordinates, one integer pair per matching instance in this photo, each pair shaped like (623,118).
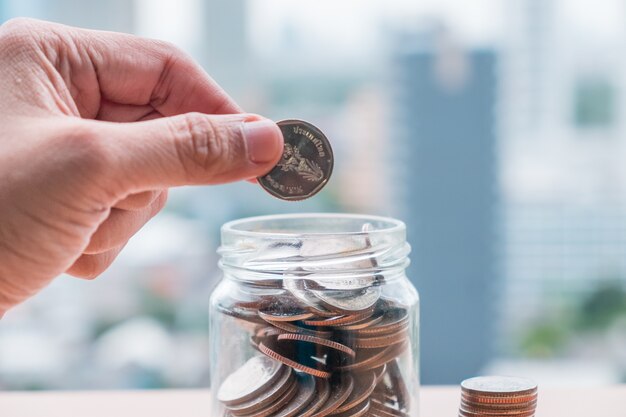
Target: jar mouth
(311,225)
(339,247)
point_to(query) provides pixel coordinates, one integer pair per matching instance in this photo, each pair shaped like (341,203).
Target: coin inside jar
(305,166)
(249,380)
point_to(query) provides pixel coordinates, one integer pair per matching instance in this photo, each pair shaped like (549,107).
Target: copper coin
(513,399)
(340,390)
(364,360)
(498,386)
(278,404)
(358,411)
(380,341)
(377,359)
(466,413)
(398,385)
(305,394)
(305,166)
(318,341)
(295,316)
(494,407)
(322,393)
(292,328)
(383,410)
(339,320)
(393,320)
(510,412)
(279,356)
(254,377)
(265,398)
(380,373)
(241,313)
(363,324)
(363,387)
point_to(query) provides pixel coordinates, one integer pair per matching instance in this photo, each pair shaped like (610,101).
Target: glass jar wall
(314,316)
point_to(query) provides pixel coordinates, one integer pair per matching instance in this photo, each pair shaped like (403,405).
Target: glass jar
(314,316)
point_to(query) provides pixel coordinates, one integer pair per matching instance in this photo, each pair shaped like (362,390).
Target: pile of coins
(321,352)
(497,396)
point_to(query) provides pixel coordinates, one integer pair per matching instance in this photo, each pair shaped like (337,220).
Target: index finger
(139,71)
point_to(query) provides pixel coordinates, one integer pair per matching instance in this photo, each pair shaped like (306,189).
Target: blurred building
(446,177)
(563,142)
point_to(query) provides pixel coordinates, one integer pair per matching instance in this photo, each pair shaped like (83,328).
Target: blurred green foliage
(551,334)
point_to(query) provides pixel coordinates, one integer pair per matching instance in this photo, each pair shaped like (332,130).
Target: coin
(398,385)
(280,403)
(305,394)
(249,380)
(266,398)
(339,320)
(322,393)
(341,388)
(292,328)
(348,302)
(363,387)
(466,413)
(368,322)
(319,341)
(512,399)
(498,406)
(380,409)
(376,358)
(357,411)
(393,320)
(296,287)
(275,352)
(305,166)
(498,385)
(294,315)
(380,341)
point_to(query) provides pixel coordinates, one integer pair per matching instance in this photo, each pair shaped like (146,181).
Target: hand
(94,127)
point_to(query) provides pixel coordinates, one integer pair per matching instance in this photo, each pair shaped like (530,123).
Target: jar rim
(245,227)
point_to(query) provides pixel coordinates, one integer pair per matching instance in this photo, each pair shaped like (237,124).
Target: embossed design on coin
(306,163)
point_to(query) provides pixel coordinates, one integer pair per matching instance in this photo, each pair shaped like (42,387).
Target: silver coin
(296,287)
(498,384)
(305,166)
(246,382)
(348,302)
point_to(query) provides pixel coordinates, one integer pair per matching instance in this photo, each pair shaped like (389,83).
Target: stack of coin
(498,396)
(323,350)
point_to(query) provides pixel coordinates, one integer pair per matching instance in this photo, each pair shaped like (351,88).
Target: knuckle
(201,143)
(167,48)
(17,32)
(18,24)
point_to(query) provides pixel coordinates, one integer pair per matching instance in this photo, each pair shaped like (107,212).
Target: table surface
(435,402)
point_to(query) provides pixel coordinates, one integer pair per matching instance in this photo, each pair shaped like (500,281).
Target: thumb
(192,148)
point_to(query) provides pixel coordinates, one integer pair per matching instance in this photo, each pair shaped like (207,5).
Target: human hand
(95,126)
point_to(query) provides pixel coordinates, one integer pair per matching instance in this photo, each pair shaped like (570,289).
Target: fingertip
(264,141)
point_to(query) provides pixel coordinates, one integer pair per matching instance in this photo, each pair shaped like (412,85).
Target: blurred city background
(496,129)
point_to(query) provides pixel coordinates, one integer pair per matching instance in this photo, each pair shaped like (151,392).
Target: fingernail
(263,138)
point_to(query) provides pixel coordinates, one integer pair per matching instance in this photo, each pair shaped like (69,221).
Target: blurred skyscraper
(563,143)
(446,176)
